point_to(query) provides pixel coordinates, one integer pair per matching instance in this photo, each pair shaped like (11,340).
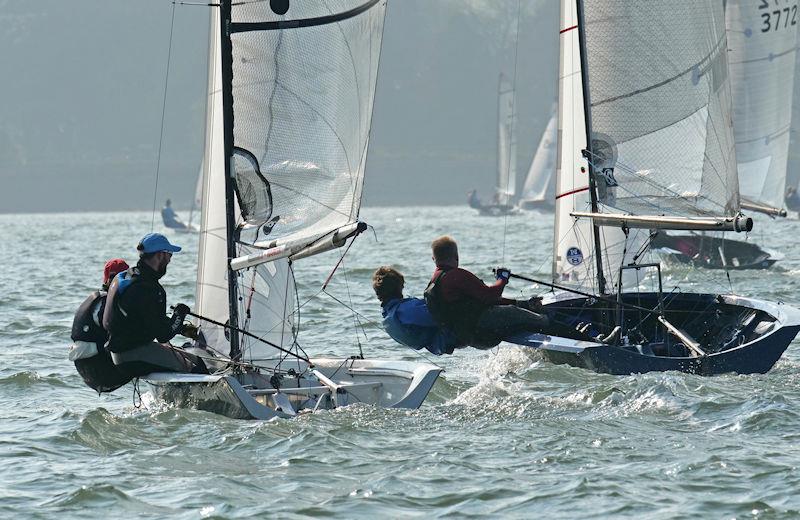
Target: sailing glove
(190,331)
(501,273)
(181,310)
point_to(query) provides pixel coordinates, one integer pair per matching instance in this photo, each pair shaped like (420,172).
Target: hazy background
(83,86)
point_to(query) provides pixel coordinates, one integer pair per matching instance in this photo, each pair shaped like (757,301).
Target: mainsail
(302,89)
(762,43)
(539,185)
(660,125)
(506,143)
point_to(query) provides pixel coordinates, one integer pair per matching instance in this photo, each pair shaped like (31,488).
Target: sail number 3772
(776,17)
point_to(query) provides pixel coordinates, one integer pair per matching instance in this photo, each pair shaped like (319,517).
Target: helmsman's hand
(182,309)
(190,331)
(501,273)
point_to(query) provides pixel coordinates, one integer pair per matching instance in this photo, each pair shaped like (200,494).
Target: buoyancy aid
(87,324)
(460,316)
(138,316)
(414,336)
(92,361)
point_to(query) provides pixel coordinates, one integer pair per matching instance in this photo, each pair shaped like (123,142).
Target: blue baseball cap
(156,242)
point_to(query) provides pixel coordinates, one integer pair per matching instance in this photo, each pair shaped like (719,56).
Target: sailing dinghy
(538,192)
(194,211)
(506,188)
(291,89)
(762,50)
(646,142)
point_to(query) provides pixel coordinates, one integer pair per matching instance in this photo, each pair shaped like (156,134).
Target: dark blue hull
(738,335)
(712,252)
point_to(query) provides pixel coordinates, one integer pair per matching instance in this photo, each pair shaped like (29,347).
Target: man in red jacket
(478,313)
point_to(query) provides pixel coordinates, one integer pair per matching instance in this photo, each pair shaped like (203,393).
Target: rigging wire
(163,113)
(511,133)
(356,322)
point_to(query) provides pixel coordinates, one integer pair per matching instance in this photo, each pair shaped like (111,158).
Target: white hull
(329,383)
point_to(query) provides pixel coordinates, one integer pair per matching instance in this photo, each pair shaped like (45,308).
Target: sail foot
(739,223)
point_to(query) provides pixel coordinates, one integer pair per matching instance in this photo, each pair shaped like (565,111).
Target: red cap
(113,268)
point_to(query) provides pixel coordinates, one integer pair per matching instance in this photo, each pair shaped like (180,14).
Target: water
(503,433)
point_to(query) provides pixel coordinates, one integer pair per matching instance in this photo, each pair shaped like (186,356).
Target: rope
(251,335)
(137,394)
(163,113)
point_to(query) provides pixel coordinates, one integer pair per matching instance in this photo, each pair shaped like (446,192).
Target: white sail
(574,260)
(271,319)
(762,43)
(303,90)
(539,185)
(506,143)
(662,135)
(661,110)
(302,112)
(212,262)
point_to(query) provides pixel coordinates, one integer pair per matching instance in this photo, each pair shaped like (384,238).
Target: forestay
(762,42)
(303,88)
(506,143)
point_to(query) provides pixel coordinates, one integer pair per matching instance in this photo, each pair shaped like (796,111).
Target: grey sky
(83,84)
(84,80)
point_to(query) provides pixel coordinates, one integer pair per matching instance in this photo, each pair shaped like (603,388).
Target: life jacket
(92,361)
(130,313)
(87,324)
(460,316)
(414,336)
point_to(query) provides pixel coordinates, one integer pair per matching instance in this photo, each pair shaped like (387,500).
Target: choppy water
(503,433)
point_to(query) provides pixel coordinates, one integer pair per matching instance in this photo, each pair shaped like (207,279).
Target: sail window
(252,189)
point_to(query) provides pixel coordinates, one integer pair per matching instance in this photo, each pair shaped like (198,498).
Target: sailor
(792,199)
(92,360)
(407,320)
(170,218)
(477,313)
(473,200)
(135,316)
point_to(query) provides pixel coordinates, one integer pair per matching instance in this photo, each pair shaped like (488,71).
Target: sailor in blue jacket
(407,320)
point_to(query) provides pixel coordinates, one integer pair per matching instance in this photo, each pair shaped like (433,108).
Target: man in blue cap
(136,316)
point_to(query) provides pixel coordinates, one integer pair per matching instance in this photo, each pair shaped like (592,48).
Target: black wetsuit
(98,371)
(136,317)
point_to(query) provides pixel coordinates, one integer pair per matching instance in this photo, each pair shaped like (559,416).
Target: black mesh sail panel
(252,189)
(659,90)
(304,74)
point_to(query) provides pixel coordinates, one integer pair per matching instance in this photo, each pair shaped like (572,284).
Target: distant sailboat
(538,193)
(290,103)
(197,203)
(762,50)
(504,191)
(171,219)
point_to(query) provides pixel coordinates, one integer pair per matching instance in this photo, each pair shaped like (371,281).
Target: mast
(227,111)
(587,117)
